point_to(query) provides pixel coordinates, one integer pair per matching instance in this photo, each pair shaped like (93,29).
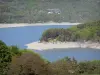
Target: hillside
(84,32)
(35,11)
(16,61)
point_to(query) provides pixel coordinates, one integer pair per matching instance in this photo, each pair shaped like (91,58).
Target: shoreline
(35,24)
(47,45)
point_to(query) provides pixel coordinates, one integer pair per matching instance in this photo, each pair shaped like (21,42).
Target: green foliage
(15,50)
(14,61)
(5,58)
(64,66)
(89,67)
(34,11)
(29,64)
(58,34)
(72,67)
(87,31)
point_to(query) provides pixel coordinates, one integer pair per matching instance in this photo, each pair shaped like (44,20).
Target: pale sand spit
(45,45)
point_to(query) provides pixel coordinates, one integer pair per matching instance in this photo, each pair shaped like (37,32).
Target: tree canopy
(35,11)
(26,62)
(87,31)
(5,57)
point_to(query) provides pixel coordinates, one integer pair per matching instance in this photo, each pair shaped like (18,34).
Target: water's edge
(47,45)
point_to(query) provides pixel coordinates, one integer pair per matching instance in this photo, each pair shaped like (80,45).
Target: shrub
(29,64)
(5,58)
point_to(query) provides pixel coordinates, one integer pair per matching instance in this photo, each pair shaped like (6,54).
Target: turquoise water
(23,35)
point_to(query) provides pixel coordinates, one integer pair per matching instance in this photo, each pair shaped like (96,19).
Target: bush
(5,58)
(64,66)
(15,50)
(29,64)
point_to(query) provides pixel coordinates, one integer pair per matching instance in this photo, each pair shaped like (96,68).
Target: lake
(23,35)
(80,54)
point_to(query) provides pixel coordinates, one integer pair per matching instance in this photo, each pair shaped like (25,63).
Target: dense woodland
(34,11)
(84,32)
(15,61)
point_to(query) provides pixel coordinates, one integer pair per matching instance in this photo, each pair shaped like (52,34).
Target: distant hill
(35,11)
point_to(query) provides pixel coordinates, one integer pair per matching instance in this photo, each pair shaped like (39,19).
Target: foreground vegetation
(34,11)
(14,61)
(84,32)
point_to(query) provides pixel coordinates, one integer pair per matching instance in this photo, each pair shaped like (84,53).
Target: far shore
(47,45)
(35,24)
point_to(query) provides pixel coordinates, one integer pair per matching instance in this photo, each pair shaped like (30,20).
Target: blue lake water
(23,35)
(80,54)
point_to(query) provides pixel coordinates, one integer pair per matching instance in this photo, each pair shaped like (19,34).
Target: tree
(29,64)
(64,66)
(5,58)
(15,50)
(89,67)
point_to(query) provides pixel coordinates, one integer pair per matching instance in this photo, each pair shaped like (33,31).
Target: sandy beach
(35,24)
(45,46)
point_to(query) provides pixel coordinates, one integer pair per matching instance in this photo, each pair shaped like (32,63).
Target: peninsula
(85,35)
(47,45)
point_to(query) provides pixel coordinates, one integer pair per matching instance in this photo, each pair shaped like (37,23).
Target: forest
(40,11)
(83,32)
(16,61)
